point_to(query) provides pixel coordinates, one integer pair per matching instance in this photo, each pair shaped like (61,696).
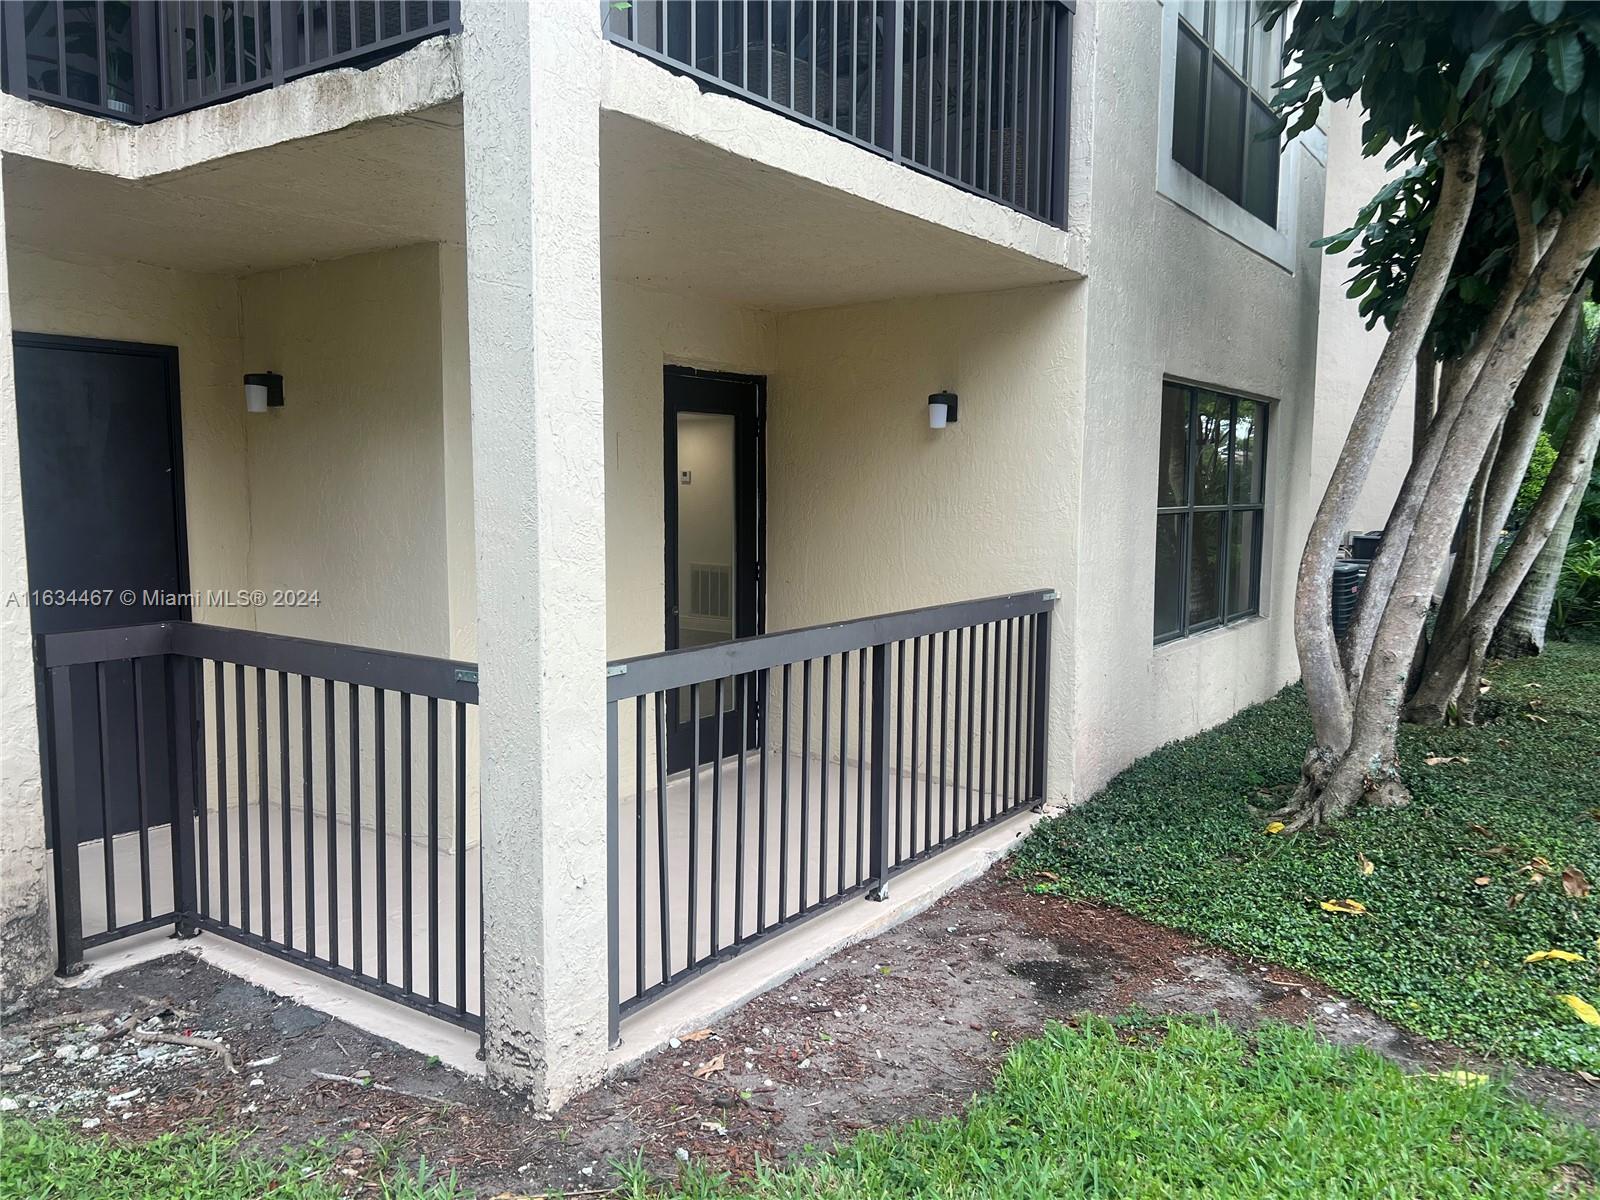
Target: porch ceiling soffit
(371,186)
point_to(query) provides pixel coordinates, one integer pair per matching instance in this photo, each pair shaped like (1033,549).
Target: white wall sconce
(263,390)
(941,410)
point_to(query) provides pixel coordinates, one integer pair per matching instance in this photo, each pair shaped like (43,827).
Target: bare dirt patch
(909,1024)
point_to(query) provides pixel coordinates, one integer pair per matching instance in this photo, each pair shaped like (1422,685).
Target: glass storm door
(713,539)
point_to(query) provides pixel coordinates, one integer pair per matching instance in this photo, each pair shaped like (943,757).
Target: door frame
(750,534)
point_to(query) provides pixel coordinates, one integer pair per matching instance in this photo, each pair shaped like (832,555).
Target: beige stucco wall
(462,563)
(870,511)
(347,480)
(360,486)
(1170,295)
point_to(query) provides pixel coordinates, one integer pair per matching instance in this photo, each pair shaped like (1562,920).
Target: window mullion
(1189,494)
(1233,433)
(1222,567)
(1223,555)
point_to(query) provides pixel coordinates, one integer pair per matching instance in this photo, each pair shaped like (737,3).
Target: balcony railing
(311,800)
(138,61)
(849,752)
(974,92)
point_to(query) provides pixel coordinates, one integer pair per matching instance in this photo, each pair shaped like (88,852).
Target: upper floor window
(1210,507)
(1223,129)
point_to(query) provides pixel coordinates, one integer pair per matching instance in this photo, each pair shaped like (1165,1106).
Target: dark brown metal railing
(854,750)
(141,60)
(975,92)
(308,799)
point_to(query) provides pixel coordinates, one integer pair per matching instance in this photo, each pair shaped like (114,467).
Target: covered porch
(675,756)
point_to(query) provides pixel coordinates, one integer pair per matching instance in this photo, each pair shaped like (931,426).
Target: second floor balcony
(139,61)
(974,92)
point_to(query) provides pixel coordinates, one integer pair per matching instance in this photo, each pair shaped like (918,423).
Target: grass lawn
(1182,1108)
(1463,884)
(54,1162)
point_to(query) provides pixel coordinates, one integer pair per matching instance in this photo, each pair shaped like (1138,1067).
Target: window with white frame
(1223,129)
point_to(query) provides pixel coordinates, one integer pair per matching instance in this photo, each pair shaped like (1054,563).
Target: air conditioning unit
(1365,545)
(1349,574)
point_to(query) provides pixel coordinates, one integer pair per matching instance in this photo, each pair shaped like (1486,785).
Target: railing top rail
(646,673)
(442,678)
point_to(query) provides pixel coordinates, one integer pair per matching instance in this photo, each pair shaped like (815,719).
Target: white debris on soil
(91,1068)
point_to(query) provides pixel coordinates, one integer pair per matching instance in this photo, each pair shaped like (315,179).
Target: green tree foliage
(1527,74)
(1544,457)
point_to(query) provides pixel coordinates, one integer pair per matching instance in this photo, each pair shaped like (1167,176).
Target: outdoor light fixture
(263,390)
(941,410)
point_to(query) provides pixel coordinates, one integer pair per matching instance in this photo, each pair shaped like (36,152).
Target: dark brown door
(102,504)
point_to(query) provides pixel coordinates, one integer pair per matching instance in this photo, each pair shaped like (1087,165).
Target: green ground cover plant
(1490,863)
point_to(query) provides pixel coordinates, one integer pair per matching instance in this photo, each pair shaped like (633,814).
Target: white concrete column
(531,78)
(26,950)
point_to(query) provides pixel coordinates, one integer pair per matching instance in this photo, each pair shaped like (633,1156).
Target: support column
(531,78)
(25,939)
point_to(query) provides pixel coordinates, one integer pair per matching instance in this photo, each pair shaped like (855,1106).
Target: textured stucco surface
(871,511)
(462,563)
(531,112)
(347,480)
(1171,295)
(26,949)
(273,207)
(350,482)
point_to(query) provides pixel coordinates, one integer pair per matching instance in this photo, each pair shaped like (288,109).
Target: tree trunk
(1367,769)
(1495,491)
(1456,378)
(1320,664)
(1522,628)
(1527,419)
(1469,641)
(1472,552)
